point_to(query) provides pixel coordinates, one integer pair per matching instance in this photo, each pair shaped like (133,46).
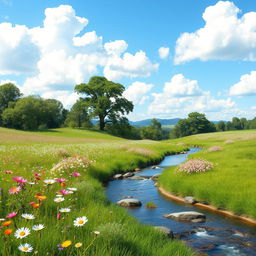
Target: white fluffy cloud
(246,85)
(18,53)
(163,52)
(224,36)
(180,86)
(58,55)
(137,92)
(129,65)
(181,96)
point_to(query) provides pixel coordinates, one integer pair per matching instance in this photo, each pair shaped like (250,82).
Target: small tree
(104,100)
(153,132)
(194,124)
(78,115)
(8,93)
(220,126)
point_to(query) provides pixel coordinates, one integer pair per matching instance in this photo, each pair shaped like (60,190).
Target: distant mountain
(147,122)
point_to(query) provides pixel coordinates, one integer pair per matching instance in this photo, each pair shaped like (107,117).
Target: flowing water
(219,235)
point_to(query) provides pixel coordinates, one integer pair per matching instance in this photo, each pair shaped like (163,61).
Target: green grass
(231,185)
(121,234)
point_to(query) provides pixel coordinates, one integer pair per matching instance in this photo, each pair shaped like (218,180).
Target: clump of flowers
(228,142)
(195,166)
(71,164)
(141,151)
(62,153)
(214,148)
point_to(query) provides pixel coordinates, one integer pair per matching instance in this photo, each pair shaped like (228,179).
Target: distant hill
(147,122)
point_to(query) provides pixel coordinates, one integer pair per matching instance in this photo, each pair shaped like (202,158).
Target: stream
(219,235)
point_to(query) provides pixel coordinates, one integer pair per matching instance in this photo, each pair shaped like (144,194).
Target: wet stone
(166,231)
(190,216)
(118,177)
(128,174)
(129,203)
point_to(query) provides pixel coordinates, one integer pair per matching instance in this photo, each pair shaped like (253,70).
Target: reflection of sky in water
(216,230)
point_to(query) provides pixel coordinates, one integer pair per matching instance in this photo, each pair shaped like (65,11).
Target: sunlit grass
(24,153)
(231,184)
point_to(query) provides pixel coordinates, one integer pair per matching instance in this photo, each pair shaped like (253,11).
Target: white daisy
(65,210)
(38,227)
(25,248)
(59,199)
(31,183)
(80,221)
(22,232)
(27,216)
(49,181)
(72,189)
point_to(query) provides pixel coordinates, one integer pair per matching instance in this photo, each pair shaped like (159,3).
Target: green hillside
(39,157)
(231,184)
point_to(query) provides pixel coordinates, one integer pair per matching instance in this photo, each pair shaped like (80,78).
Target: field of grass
(231,184)
(96,156)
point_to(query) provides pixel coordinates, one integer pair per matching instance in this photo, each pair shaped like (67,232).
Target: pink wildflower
(36,174)
(75,174)
(14,190)
(58,216)
(11,215)
(20,179)
(61,180)
(65,192)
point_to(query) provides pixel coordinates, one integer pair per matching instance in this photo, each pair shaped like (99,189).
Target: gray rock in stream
(136,178)
(128,174)
(190,200)
(117,176)
(191,216)
(166,231)
(156,176)
(129,202)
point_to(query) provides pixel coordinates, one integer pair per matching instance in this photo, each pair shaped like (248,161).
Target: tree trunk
(102,123)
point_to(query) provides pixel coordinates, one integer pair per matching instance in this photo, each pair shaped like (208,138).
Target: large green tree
(8,93)
(104,100)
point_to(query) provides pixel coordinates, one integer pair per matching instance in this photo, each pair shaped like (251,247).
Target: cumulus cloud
(163,52)
(128,65)
(246,85)
(180,86)
(18,53)
(224,36)
(181,96)
(60,53)
(137,92)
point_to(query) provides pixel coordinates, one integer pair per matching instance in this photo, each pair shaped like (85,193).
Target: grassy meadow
(56,177)
(231,184)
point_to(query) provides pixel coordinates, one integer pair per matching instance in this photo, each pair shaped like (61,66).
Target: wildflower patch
(195,166)
(71,164)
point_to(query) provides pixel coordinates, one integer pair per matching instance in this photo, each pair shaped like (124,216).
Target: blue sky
(207,63)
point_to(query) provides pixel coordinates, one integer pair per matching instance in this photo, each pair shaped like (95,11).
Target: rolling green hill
(231,184)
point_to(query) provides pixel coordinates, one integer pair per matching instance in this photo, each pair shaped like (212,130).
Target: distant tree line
(197,123)
(102,101)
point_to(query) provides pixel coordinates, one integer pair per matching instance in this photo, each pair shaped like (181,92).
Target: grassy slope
(232,183)
(121,235)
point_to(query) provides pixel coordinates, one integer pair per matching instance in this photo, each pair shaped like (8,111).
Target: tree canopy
(104,100)
(33,112)
(194,124)
(8,93)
